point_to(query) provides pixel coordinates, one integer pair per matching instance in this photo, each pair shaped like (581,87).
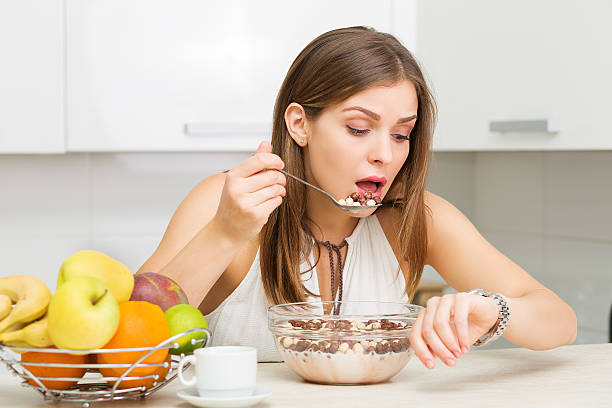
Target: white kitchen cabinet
(516,61)
(189,75)
(32,76)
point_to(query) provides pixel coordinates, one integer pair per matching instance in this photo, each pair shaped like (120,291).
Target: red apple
(157,289)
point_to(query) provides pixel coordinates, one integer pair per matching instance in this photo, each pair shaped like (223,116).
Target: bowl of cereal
(347,342)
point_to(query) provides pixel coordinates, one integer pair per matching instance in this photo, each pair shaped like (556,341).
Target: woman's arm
(193,251)
(539,318)
(216,219)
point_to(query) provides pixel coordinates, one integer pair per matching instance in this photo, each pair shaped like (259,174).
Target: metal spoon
(351,208)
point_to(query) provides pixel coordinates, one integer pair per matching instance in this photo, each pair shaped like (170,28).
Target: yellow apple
(83,314)
(111,272)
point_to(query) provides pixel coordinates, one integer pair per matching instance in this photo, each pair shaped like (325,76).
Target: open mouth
(372,184)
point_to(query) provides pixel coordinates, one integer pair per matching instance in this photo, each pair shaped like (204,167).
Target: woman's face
(361,143)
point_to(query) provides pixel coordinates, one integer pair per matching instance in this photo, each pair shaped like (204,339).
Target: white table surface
(570,376)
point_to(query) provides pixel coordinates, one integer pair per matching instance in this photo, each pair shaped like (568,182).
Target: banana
(5,306)
(30,296)
(16,326)
(34,334)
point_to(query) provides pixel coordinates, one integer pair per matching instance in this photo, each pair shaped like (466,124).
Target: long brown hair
(333,67)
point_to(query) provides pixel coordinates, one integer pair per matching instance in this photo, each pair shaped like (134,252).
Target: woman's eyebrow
(408,119)
(376,116)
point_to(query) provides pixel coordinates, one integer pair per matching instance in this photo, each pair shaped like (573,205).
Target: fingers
(430,334)
(442,329)
(263,179)
(443,324)
(269,205)
(256,163)
(462,308)
(261,196)
(421,349)
(264,147)
(250,194)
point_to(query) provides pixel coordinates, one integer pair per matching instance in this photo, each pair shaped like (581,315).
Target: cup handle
(181,366)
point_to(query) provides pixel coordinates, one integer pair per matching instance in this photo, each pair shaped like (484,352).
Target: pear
(109,271)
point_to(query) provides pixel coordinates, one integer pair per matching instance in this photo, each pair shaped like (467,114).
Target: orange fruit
(141,324)
(38,371)
(147,382)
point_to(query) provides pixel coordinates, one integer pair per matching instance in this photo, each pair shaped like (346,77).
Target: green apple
(184,317)
(111,272)
(83,314)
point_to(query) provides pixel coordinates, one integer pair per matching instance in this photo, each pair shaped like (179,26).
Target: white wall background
(549,212)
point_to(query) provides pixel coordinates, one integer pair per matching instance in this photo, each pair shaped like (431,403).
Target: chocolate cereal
(382,341)
(356,199)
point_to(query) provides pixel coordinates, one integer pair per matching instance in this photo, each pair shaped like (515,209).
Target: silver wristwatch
(502,321)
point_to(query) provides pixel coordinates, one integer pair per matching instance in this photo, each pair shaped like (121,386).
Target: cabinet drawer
(514,62)
(189,75)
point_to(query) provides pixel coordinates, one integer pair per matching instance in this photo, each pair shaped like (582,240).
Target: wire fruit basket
(93,387)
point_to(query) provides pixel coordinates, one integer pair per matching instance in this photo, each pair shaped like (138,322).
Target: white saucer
(191,395)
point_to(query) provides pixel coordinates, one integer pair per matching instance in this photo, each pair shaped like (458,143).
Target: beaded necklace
(336,248)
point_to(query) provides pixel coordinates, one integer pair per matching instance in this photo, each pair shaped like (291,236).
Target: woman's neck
(329,222)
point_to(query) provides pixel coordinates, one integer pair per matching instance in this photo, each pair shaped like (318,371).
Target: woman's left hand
(448,325)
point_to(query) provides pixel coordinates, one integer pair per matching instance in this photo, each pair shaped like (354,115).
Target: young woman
(353,114)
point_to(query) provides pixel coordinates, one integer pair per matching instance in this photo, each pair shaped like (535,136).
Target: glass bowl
(347,342)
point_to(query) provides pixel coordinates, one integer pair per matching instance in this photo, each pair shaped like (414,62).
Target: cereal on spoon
(356,199)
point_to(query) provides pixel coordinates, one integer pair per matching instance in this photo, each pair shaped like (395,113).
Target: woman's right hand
(252,190)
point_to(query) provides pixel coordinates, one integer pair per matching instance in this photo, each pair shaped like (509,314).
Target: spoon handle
(307,183)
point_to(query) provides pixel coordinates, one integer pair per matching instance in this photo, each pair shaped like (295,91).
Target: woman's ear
(295,119)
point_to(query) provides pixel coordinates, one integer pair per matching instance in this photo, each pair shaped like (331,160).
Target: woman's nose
(380,150)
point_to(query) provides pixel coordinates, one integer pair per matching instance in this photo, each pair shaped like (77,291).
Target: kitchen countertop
(578,376)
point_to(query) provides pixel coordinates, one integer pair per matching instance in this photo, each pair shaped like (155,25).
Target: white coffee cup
(222,371)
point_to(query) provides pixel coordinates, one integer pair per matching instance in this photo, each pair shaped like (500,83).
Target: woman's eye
(397,136)
(357,131)
(401,137)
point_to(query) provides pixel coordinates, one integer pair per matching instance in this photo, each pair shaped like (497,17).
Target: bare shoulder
(446,227)
(458,252)
(464,258)
(438,206)
(443,218)
(192,214)
(446,224)
(438,211)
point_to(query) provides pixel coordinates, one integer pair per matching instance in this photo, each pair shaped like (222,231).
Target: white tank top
(370,273)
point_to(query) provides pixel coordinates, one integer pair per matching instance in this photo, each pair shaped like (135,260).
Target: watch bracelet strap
(502,321)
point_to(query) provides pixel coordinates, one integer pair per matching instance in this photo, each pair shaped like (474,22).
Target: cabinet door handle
(535,125)
(227,129)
